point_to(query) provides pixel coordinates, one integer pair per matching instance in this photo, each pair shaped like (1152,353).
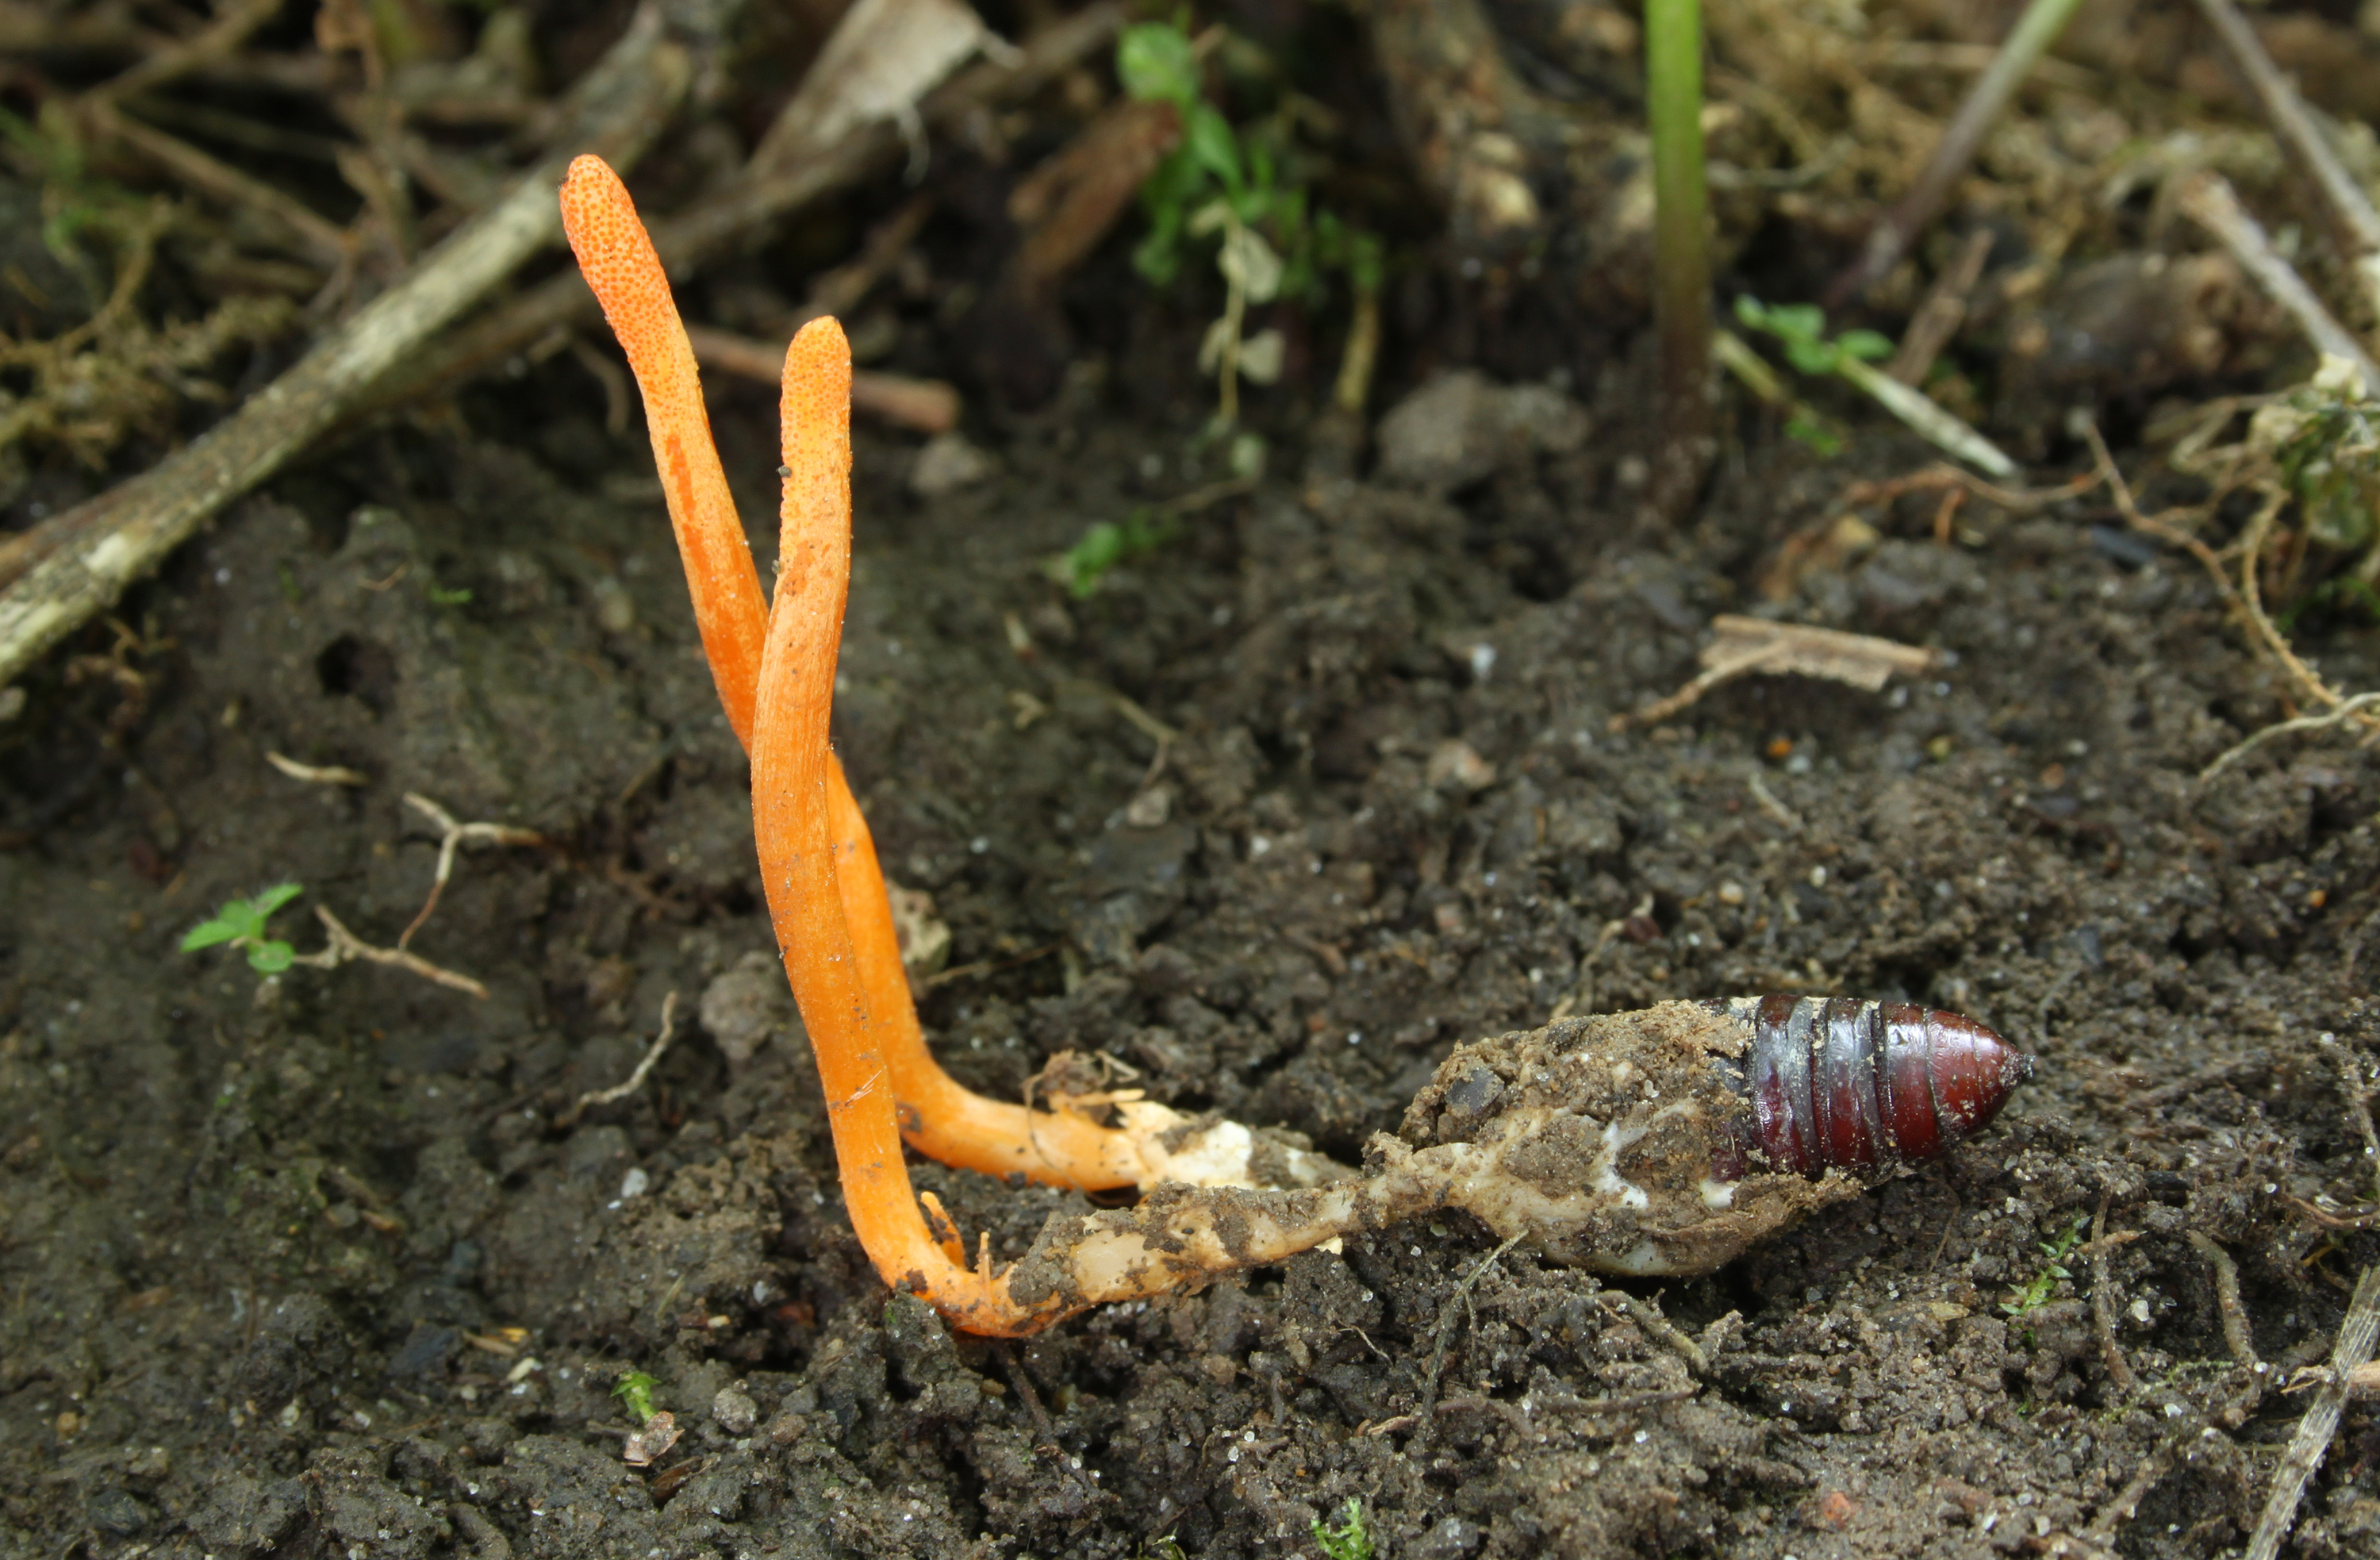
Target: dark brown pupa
(1842,1083)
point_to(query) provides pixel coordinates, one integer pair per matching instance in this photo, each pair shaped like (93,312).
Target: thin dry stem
(635,1079)
(317,774)
(452,835)
(345,946)
(2357,1331)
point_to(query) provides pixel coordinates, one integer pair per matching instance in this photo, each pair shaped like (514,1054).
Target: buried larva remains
(1660,1142)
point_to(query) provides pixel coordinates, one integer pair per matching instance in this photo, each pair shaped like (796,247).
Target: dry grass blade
(2349,208)
(2208,200)
(882,57)
(1753,644)
(2357,1331)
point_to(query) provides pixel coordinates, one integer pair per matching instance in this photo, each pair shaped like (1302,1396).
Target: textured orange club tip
(616,257)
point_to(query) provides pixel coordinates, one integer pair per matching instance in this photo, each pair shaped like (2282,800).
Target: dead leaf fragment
(1751,644)
(660,1433)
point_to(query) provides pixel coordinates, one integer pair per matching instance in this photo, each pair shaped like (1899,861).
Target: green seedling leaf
(1869,345)
(240,922)
(1208,137)
(635,1392)
(1348,1540)
(1104,544)
(1156,63)
(270,956)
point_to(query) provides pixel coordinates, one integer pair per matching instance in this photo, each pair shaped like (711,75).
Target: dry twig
(317,774)
(344,947)
(452,835)
(2208,200)
(635,1080)
(2347,710)
(2349,208)
(2103,1302)
(80,561)
(2356,1333)
(2035,31)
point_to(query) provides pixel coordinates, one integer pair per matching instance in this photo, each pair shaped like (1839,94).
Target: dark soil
(320,1265)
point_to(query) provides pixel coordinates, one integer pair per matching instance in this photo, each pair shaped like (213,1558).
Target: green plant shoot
(1681,280)
(240,922)
(1105,544)
(1801,329)
(1348,1541)
(634,1391)
(1241,188)
(2025,1300)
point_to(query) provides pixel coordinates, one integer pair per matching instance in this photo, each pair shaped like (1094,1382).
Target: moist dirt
(332,1264)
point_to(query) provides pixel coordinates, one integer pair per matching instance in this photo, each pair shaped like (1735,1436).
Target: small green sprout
(1246,190)
(2025,1300)
(1348,1541)
(1801,328)
(1105,544)
(441,595)
(634,1391)
(240,922)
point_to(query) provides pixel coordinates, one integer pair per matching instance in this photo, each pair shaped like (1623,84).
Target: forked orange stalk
(942,1119)
(774,669)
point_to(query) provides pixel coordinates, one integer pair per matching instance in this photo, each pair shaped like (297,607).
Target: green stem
(1681,273)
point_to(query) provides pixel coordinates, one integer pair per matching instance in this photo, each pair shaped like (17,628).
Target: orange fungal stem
(791,823)
(940,1118)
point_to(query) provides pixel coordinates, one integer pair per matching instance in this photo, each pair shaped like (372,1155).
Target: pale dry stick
(2359,1099)
(635,1080)
(929,405)
(452,835)
(1770,805)
(2349,208)
(2208,200)
(2026,43)
(2347,710)
(345,945)
(1742,645)
(317,774)
(1945,310)
(757,202)
(218,40)
(84,558)
(2103,1303)
(2357,1331)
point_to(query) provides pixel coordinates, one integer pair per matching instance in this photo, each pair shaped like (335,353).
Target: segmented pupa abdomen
(1838,1083)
